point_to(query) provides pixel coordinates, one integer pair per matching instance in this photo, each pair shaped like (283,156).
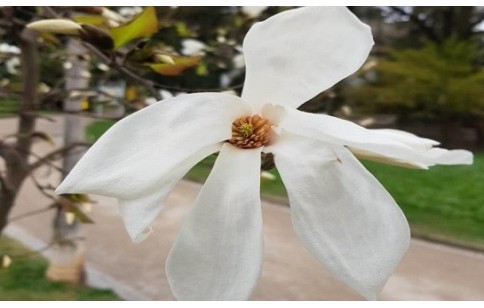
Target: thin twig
(41,188)
(31,213)
(49,245)
(29,254)
(59,152)
(193,90)
(51,164)
(124,101)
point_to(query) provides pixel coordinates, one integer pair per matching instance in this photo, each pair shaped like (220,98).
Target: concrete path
(136,271)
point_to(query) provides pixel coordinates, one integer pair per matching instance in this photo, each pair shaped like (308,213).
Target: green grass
(8,107)
(97,128)
(445,203)
(25,279)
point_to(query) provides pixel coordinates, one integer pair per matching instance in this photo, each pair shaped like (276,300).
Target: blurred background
(63,85)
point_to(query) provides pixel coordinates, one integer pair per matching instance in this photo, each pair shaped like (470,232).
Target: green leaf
(202,69)
(181,64)
(182,29)
(71,204)
(79,197)
(93,20)
(143,25)
(81,215)
(50,38)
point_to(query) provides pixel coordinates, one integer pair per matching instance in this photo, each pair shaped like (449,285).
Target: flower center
(250,132)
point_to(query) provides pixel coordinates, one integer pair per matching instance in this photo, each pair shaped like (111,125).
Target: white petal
(294,55)
(134,156)
(390,146)
(341,212)
(433,156)
(138,214)
(451,157)
(218,252)
(367,155)
(412,140)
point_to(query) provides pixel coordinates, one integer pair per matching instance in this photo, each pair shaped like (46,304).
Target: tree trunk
(67,255)
(15,175)
(16,156)
(6,203)
(30,74)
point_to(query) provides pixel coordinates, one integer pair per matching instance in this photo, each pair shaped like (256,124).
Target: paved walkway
(428,271)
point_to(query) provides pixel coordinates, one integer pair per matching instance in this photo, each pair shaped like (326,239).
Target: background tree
(427,67)
(436,83)
(439,24)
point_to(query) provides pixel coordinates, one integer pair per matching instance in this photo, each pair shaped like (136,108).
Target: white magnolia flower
(340,212)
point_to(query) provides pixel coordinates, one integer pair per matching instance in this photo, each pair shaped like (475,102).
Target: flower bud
(58,26)
(164,58)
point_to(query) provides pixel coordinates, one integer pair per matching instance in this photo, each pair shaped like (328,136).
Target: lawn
(24,279)
(445,203)
(8,107)
(96,129)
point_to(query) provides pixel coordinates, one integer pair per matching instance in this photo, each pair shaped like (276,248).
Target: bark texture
(16,155)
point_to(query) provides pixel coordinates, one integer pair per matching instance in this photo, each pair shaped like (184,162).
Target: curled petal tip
(451,157)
